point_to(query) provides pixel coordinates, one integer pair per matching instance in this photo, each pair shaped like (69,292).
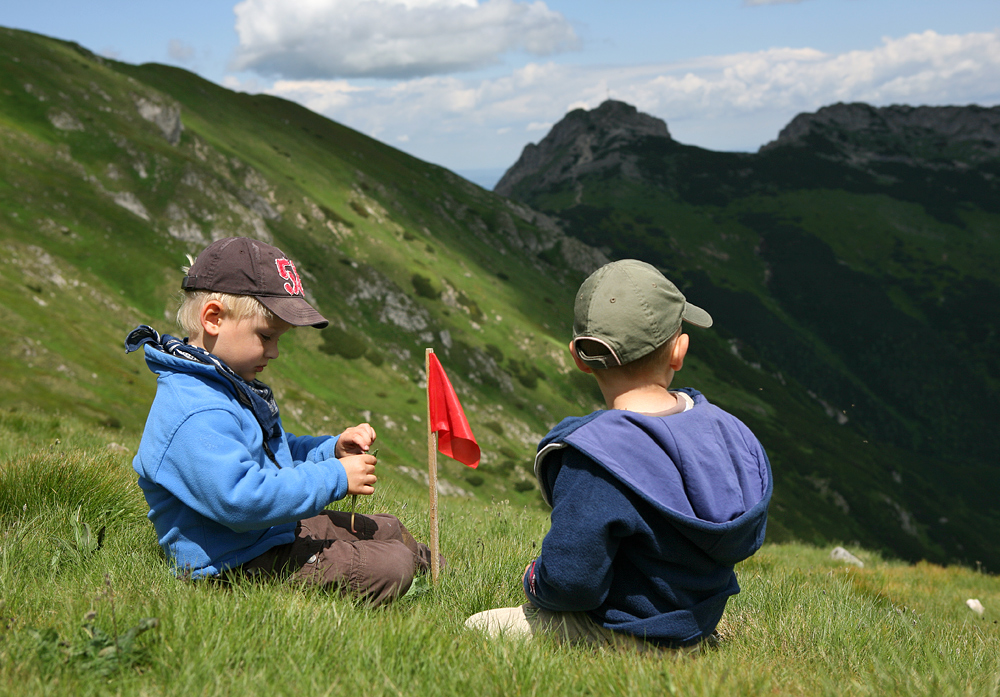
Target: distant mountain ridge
(584,142)
(930,135)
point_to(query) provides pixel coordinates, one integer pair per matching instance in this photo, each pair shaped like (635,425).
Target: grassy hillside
(98,210)
(867,293)
(103,196)
(82,618)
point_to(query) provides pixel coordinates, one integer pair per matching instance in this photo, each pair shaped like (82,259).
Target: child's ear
(678,352)
(576,359)
(211,317)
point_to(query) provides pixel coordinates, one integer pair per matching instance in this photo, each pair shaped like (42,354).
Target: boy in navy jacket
(654,499)
(229,491)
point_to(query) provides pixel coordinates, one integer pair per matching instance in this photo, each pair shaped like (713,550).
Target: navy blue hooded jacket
(649,516)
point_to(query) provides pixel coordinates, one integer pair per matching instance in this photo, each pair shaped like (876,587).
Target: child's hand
(355,440)
(360,474)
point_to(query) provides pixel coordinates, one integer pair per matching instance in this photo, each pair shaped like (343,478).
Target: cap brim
(295,311)
(696,316)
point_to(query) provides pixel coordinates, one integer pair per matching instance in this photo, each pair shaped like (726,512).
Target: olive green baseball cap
(631,309)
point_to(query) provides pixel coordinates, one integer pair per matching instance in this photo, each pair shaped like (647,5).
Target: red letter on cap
(286,269)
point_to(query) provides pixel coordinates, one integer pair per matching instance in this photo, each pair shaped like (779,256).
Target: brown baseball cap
(242,266)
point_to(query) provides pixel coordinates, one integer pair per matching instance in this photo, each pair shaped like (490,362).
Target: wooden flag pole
(432,476)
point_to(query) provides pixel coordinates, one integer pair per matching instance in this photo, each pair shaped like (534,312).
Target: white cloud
(323,96)
(734,102)
(925,68)
(180,51)
(391,38)
(234,83)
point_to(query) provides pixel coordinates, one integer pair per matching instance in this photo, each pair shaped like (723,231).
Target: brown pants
(377,562)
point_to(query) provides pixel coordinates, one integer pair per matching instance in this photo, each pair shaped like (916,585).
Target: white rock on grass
(841,554)
(167,117)
(64,121)
(975,606)
(131,202)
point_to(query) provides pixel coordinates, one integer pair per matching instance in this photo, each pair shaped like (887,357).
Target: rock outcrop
(925,135)
(583,142)
(166,116)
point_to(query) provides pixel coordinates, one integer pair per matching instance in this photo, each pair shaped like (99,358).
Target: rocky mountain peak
(946,135)
(583,142)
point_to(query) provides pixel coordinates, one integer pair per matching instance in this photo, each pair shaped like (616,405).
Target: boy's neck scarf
(255,396)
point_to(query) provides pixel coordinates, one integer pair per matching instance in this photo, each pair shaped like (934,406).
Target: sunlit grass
(803,624)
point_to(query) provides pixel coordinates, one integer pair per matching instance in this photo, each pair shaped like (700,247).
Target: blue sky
(467,83)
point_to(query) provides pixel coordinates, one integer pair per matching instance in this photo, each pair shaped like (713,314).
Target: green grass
(802,625)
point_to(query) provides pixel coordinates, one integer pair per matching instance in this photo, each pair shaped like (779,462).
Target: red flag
(448,420)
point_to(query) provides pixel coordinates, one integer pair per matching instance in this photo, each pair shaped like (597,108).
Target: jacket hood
(702,470)
(163,363)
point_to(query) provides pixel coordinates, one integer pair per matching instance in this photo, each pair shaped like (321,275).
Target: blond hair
(235,306)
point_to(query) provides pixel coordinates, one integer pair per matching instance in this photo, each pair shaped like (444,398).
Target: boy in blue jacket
(229,491)
(655,499)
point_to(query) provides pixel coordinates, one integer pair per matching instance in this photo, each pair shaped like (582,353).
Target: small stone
(975,606)
(65,122)
(841,554)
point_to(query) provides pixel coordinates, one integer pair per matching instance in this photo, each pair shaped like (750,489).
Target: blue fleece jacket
(215,498)
(649,515)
